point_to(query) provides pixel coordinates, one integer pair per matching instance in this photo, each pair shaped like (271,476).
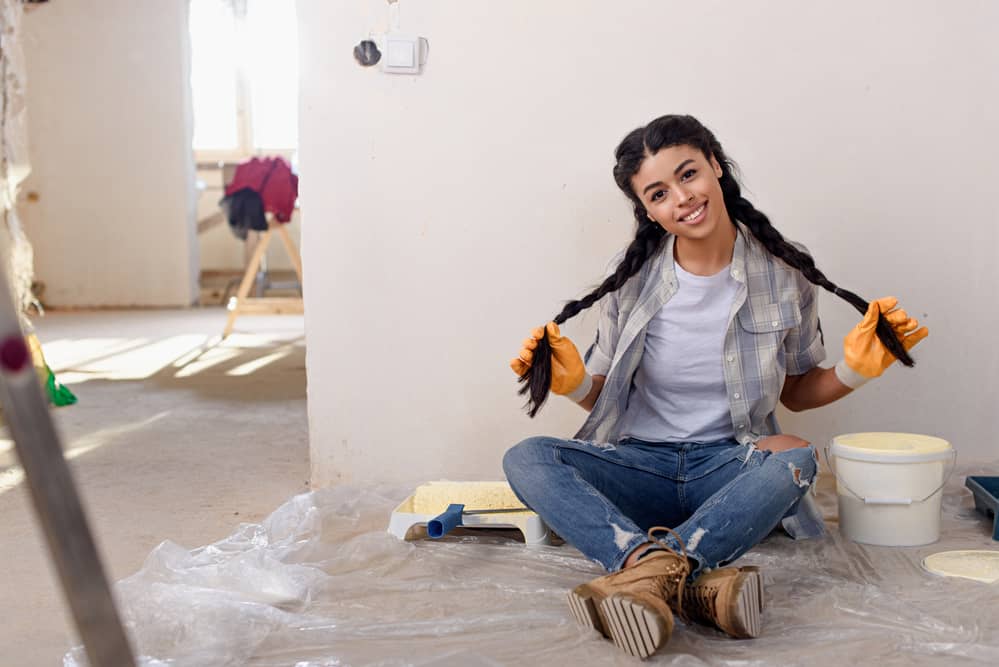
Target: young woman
(708,320)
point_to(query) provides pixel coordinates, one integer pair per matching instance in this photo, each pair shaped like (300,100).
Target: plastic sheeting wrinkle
(378,599)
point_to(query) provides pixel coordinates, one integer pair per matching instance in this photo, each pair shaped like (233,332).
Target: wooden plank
(248,276)
(270,306)
(213,220)
(289,245)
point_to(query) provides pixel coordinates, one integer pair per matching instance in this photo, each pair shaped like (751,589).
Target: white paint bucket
(889,486)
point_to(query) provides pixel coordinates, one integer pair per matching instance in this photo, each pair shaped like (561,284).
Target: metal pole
(55,497)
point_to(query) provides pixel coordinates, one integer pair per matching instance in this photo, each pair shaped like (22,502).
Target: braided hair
(663,132)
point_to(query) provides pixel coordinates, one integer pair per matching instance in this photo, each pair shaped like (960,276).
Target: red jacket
(273,180)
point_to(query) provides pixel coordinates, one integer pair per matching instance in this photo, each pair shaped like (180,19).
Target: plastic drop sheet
(321,583)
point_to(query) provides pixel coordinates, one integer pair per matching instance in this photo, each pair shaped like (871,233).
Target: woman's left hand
(864,353)
(780,443)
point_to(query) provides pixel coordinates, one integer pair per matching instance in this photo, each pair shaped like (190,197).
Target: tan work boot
(631,606)
(729,598)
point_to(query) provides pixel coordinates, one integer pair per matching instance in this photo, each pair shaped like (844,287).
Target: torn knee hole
(796,475)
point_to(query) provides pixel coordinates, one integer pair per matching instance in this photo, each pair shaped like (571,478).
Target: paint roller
(450,518)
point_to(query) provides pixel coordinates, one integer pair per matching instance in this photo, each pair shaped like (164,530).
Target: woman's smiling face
(680,190)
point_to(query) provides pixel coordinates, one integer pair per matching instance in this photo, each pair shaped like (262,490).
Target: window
(244,78)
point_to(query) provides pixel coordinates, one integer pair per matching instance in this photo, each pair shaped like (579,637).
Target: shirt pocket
(762,331)
(774,319)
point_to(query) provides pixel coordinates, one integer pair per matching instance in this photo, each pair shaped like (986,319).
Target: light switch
(404,54)
(401,53)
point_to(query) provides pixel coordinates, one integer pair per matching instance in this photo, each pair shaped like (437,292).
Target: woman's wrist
(848,376)
(583,390)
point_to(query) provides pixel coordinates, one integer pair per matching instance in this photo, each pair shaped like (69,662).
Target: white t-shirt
(679,392)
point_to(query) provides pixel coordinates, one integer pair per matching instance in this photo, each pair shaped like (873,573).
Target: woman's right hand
(568,370)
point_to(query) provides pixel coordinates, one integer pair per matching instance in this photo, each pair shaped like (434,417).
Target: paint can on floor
(889,486)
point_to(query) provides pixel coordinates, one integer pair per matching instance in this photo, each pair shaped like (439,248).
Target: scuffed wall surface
(14,164)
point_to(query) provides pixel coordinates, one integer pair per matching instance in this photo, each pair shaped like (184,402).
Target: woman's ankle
(637,553)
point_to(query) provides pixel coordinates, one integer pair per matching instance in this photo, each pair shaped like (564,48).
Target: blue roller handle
(442,524)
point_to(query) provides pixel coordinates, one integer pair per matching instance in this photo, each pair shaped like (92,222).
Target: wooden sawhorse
(243,304)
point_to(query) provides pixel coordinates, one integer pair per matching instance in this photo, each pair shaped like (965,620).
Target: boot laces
(703,599)
(678,578)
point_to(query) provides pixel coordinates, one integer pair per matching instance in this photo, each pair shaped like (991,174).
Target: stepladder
(243,303)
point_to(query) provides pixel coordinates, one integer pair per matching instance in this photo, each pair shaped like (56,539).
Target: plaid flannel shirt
(773,331)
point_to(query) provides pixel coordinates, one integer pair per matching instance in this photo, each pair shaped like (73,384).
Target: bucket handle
(891,501)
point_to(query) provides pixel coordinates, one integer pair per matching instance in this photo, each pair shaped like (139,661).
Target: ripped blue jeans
(722,498)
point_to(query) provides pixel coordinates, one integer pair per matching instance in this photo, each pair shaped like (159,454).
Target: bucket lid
(881,446)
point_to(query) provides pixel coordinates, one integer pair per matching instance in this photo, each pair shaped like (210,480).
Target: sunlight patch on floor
(65,353)
(139,361)
(13,476)
(255,365)
(209,358)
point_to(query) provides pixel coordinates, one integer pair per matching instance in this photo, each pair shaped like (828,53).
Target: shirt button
(731,357)
(742,426)
(775,323)
(736,395)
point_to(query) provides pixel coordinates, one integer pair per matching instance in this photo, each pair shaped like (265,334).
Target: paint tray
(409,520)
(986,493)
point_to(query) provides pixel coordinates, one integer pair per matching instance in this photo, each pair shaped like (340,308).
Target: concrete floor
(176,436)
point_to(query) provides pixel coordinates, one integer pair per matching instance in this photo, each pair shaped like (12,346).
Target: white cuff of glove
(848,376)
(583,390)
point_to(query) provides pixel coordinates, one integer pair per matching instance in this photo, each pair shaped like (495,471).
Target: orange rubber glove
(569,376)
(864,356)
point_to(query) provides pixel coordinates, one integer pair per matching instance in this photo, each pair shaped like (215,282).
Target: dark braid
(647,240)
(741,209)
(537,379)
(649,140)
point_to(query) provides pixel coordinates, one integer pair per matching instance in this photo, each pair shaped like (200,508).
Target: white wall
(110,136)
(447,214)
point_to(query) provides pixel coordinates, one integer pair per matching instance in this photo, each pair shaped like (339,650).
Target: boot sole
(635,629)
(584,610)
(745,612)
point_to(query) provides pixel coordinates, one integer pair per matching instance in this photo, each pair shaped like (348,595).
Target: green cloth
(58,394)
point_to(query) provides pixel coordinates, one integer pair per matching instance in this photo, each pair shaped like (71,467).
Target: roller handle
(447,520)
